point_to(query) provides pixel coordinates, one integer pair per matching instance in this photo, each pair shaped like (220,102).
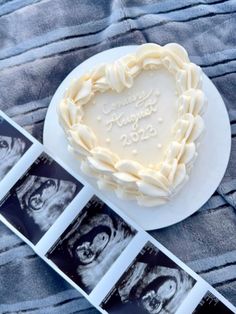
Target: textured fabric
(40,43)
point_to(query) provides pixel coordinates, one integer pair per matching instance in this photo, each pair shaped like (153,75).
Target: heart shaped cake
(134,124)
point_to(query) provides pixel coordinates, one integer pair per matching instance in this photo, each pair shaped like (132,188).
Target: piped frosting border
(128,178)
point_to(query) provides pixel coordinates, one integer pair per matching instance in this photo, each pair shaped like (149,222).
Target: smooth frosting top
(127,177)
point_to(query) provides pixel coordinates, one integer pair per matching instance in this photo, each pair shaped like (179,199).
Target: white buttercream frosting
(130,179)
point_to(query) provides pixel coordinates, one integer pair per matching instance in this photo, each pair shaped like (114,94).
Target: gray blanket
(41,42)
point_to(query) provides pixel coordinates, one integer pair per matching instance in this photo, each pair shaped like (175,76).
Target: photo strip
(13,145)
(91,244)
(110,260)
(152,284)
(210,304)
(39,197)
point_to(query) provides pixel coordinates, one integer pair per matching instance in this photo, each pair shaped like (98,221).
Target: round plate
(207,171)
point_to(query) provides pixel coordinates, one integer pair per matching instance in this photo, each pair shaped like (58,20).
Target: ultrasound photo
(153,284)
(211,305)
(39,197)
(91,244)
(13,145)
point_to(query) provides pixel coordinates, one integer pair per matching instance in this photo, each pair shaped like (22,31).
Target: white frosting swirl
(128,178)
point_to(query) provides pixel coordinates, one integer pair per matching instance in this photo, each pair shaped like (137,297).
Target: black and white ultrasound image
(13,145)
(35,202)
(211,305)
(91,244)
(153,284)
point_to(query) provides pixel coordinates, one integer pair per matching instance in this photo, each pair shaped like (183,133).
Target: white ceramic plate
(205,176)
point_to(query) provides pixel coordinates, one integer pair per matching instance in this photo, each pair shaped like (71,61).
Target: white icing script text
(147,104)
